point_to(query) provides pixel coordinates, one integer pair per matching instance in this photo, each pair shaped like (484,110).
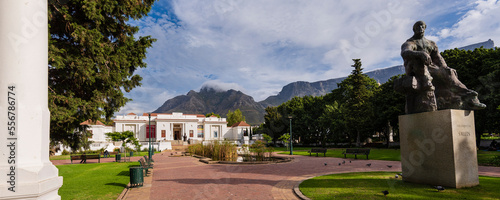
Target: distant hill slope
(489,44)
(302,88)
(209,100)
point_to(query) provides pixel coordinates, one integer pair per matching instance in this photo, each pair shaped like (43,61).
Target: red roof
(131,114)
(242,123)
(90,122)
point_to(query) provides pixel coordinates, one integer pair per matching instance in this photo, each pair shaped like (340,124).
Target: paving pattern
(186,178)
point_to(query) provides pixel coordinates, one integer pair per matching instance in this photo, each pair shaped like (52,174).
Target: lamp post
(291,136)
(149,137)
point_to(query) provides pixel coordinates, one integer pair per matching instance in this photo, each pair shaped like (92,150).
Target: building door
(177,134)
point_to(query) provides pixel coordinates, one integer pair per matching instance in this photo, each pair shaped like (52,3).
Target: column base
(34,183)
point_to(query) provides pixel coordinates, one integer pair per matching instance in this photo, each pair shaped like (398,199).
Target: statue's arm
(437,59)
(408,52)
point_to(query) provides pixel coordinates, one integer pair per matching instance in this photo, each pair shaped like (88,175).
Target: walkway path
(187,178)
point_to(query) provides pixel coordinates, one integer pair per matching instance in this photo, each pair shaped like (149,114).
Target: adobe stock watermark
(426,147)
(30,27)
(364,35)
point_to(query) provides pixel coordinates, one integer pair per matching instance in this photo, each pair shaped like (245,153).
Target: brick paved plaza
(187,178)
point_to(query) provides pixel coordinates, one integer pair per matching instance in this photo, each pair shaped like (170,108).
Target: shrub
(260,151)
(65,152)
(216,150)
(495,161)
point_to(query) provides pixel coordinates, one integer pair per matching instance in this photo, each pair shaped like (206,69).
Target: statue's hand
(426,58)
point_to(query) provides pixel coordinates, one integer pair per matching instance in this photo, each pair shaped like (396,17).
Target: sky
(259,46)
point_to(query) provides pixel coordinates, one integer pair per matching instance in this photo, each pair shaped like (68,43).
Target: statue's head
(419,28)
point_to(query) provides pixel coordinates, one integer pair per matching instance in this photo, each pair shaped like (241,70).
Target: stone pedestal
(25,169)
(439,148)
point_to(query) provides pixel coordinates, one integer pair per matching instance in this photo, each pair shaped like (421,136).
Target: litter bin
(131,153)
(118,157)
(136,177)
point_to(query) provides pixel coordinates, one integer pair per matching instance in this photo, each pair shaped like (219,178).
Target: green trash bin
(131,153)
(118,157)
(136,177)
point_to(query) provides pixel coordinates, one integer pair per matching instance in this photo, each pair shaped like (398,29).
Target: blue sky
(258,46)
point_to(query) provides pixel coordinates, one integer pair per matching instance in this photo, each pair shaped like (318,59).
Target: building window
(200,131)
(163,133)
(215,134)
(191,134)
(150,131)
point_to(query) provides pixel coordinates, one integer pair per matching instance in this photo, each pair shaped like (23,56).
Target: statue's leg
(451,92)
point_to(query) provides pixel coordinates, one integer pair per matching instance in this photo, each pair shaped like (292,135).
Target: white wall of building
(168,127)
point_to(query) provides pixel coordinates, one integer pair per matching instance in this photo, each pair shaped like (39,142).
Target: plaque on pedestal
(439,148)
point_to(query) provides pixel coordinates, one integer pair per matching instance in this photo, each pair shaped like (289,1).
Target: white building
(167,129)
(174,127)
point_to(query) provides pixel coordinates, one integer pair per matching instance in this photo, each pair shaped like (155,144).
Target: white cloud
(259,46)
(477,25)
(220,86)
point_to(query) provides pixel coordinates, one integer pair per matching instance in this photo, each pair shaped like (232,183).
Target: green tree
(212,113)
(333,122)
(234,117)
(285,138)
(126,137)
(93,54)
(354,93)
(479,70)
(389,105)
(274,125)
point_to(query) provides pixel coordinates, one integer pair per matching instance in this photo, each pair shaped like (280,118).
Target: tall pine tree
(355,92)
(93,55)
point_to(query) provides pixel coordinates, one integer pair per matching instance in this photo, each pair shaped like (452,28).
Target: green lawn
(66,157)
(94,181)
(486,158)
(375,154)
(369,185)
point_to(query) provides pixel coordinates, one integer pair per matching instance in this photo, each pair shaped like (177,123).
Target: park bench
(110,153)
(85,157)
(317,150)
(145,166)
(146,159)
(356,152)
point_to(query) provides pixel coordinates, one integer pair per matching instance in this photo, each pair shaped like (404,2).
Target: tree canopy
(93,54)
(212,114)
(340,116)
(234,117)
(479,70)
(354,93)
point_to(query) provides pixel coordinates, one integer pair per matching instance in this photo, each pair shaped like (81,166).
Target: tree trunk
(388,134)
(358,142)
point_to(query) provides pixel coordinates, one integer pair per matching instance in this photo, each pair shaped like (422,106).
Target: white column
(25,169)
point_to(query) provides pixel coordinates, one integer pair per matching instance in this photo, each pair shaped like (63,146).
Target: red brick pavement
(187,178)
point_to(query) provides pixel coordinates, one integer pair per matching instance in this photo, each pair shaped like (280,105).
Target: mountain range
(209,100)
